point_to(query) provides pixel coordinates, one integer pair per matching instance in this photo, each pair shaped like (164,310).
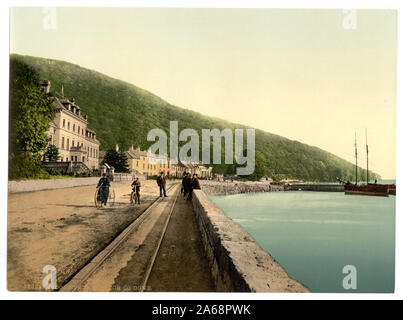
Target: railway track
(81,276)
(154,257)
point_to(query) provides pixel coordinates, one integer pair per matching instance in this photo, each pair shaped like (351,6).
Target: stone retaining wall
(237,263)
(222,188)
(46,184)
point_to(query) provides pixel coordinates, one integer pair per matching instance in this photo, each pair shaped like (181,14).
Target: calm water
(313,235)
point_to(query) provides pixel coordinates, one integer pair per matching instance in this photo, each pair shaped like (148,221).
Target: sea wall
(227,187)
(46,184)
(236,261)
(315,187)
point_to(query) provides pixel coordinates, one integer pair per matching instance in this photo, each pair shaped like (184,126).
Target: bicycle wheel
(111,199)
(98,204)
(133,198)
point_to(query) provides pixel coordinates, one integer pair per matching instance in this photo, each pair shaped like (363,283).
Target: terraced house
(68,131)
(141,162)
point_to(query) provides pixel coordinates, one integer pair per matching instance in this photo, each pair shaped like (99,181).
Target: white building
(68,131)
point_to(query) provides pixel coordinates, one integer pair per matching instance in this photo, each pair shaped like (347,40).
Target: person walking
(194,185)
(188,186)
(162,184)
(103,192)
(196,182)
(183,190)
(136,185)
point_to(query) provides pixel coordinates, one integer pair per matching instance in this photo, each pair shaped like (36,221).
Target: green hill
(122,113)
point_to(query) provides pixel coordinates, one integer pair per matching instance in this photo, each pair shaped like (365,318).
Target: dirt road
(63,228)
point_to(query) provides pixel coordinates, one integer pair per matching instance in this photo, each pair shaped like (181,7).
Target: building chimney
(131,148)
(45,86)
(117,148)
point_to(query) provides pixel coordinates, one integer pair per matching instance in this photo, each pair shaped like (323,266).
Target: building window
(64,123)
(72,143)
(62,142)
(74,127)
(68,144)
(78,131)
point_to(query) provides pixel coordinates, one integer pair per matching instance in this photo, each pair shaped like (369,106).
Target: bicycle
(133,198)
(111,198)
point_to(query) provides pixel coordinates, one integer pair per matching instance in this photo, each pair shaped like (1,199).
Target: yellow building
(202,171)
(193,168)
(68,131)
(141,162)
(179,169)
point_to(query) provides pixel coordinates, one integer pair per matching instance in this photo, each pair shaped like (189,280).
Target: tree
(118,160)
(30,114)
(51,153)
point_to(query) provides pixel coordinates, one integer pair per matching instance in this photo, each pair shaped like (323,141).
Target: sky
(316,76)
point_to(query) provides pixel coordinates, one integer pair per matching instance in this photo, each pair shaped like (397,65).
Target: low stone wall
(236,261)
(46,184)
(315,187)
(222,188)
(123,177)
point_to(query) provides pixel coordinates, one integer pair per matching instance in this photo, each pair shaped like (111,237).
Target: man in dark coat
(188,186)
(194,185)
(183,189)
(136,185)
(162,184)
(195,182)
(103,192)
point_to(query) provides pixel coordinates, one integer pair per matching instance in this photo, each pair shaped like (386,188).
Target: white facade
(69,133)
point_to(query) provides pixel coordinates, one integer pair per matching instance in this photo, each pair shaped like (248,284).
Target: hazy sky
(296,73)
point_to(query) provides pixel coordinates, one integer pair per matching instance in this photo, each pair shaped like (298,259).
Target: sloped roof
(56,103)
(133,154)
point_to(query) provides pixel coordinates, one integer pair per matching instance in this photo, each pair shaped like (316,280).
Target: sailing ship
(368,189)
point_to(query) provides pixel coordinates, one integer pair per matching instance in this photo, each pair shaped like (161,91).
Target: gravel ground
(63,228)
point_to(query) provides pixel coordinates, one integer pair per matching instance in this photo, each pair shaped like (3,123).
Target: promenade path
(63,228)
(180,265)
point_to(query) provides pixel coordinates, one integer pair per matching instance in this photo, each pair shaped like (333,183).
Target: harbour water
(314,235)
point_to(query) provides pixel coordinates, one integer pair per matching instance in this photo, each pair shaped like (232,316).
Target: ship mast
(366,140)
(356,160)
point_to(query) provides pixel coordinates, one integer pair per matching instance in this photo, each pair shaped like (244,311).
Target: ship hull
(392,189)
(367,190)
